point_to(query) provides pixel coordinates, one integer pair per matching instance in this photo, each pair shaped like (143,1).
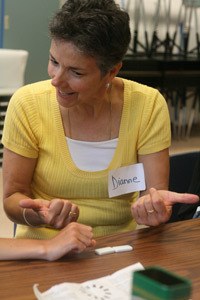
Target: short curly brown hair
(98,28)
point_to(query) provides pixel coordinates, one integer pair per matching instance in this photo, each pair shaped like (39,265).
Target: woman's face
(75,76)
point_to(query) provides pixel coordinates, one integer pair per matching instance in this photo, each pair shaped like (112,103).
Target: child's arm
(74,237)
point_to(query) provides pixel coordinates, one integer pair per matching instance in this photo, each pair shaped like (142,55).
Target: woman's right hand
(155,208)
(74,237)
(56,213)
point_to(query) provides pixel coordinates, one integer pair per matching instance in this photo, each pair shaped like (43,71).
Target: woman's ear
(115,70)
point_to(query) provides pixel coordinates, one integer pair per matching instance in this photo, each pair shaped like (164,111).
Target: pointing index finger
(171,198)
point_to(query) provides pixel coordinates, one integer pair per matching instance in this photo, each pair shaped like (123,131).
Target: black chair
(181,171)
(184,178)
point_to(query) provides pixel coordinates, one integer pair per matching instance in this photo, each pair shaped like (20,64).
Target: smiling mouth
(65,93)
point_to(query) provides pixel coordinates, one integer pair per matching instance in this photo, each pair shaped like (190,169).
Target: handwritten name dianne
(120,181)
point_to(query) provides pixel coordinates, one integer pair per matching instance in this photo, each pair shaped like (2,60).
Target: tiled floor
(193,144)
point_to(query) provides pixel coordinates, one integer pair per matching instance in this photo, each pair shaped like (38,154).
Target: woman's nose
(58,78)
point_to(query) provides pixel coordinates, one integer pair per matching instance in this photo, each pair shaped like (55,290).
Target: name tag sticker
(126,180)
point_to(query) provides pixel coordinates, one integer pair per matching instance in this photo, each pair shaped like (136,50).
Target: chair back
(181,170)
(12,70)
(184,178)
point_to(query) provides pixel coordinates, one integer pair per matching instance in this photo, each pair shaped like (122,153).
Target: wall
(1,22)
(28,29)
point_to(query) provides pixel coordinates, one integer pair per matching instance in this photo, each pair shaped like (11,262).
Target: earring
(107,85)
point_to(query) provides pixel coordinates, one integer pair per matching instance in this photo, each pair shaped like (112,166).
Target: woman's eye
(53,61)
(77,73)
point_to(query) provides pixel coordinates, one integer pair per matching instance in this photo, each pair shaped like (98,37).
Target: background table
(175,246)
(163,72)
(178,79)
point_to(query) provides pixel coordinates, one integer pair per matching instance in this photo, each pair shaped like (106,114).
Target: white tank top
(92,156)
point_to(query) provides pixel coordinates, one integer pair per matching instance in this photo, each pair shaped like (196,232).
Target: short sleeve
(155,129)
(21,126)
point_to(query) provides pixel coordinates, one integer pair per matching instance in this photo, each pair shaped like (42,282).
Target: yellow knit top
(33,128)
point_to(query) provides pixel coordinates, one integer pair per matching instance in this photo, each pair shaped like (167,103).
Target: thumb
(30,203)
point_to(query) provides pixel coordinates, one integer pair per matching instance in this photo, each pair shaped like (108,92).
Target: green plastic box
(156,283)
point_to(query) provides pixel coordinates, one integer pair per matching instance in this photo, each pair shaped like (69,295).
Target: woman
(63,137)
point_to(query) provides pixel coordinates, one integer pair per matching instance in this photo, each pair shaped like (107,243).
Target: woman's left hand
(56,213)
(156,207)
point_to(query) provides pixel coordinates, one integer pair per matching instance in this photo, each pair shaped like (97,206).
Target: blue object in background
(2,9)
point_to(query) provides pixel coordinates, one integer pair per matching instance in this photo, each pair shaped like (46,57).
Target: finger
(78,247)
(184,198)
(84,231)
(69,213)
(151,212)
(139,212)
(82,236)
(172,197)
(64,213)
(93,243)
(149,204)
(39,206)
(58,211)
(150,209)
(61,207)
(85,240)
(81,247)
(161,211)
(74,213)
(30,203)
(158,204)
